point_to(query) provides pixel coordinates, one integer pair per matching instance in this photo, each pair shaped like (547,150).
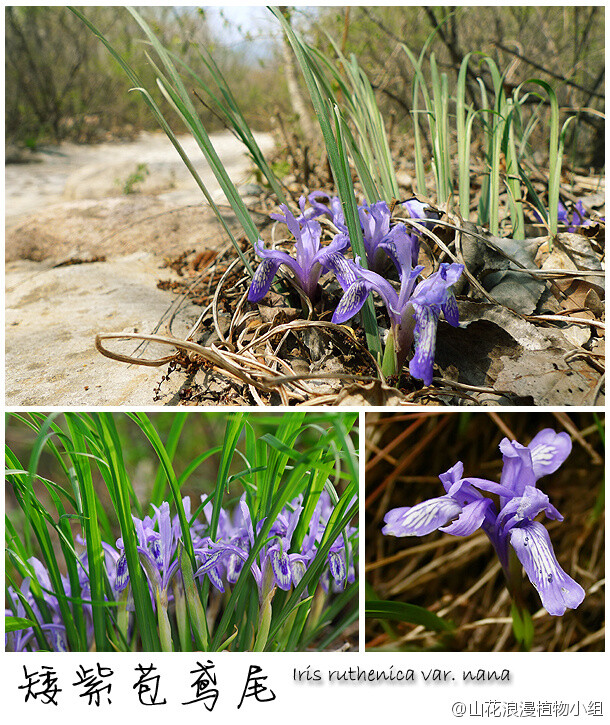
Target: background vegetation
(562,45)
(86,474)
(61,83)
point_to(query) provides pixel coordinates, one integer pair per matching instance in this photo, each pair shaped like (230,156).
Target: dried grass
(461,578)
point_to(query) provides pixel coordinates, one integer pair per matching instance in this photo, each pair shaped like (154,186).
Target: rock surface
(53,315)
(91,264)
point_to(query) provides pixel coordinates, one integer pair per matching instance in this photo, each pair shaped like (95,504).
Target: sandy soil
(84,257)
(76,171)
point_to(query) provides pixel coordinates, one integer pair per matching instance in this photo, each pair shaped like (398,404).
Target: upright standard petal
(557,590)
(452,476)
(549,450)
(422,518)
(517,469)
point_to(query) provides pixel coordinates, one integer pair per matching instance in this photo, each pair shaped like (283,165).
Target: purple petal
(234,567)
(216,579)
(549,450)
(557,590)
(342,268)
(351,302)
(41,573)
(272,259)
(471,518)
(263,277)
(245,512)
(156,551)
(421,519)
(339,243)
(211,558)
(526,508)
(435,289)
(454,474)
(450,310)
(422,363)
(518,470)
(150,567)
(122,574)
(402,248)
(375,223)
(297,570)
(419,210)
(169,573)
(490,486)
(165,529)
(281,568)
(562,214)
(307,243)
(288,219)
(336,565)
(332,209)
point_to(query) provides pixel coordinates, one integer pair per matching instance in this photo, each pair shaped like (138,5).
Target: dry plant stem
(494,569)
(215,301)
(469,547)
(239,320)
(383,454)
(301,324)
(590,639)
(406,461)
(463,386)
(198,322)
(404,554)
(502,425)
(591,357)
(208,354)
(436,394)
(598,388)
(563,273)
(570,320)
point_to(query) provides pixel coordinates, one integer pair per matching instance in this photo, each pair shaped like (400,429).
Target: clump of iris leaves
(265,561)
(355,140)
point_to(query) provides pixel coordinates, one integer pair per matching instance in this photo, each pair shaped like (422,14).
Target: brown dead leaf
(373,393)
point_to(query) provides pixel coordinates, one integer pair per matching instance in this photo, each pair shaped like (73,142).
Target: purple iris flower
(333,209)
(156,550)
(276,563)
(54,631)
(579,216)
(232,548)
(222,560)
(311,258)
(381,240)
(414,310)
(464,509)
